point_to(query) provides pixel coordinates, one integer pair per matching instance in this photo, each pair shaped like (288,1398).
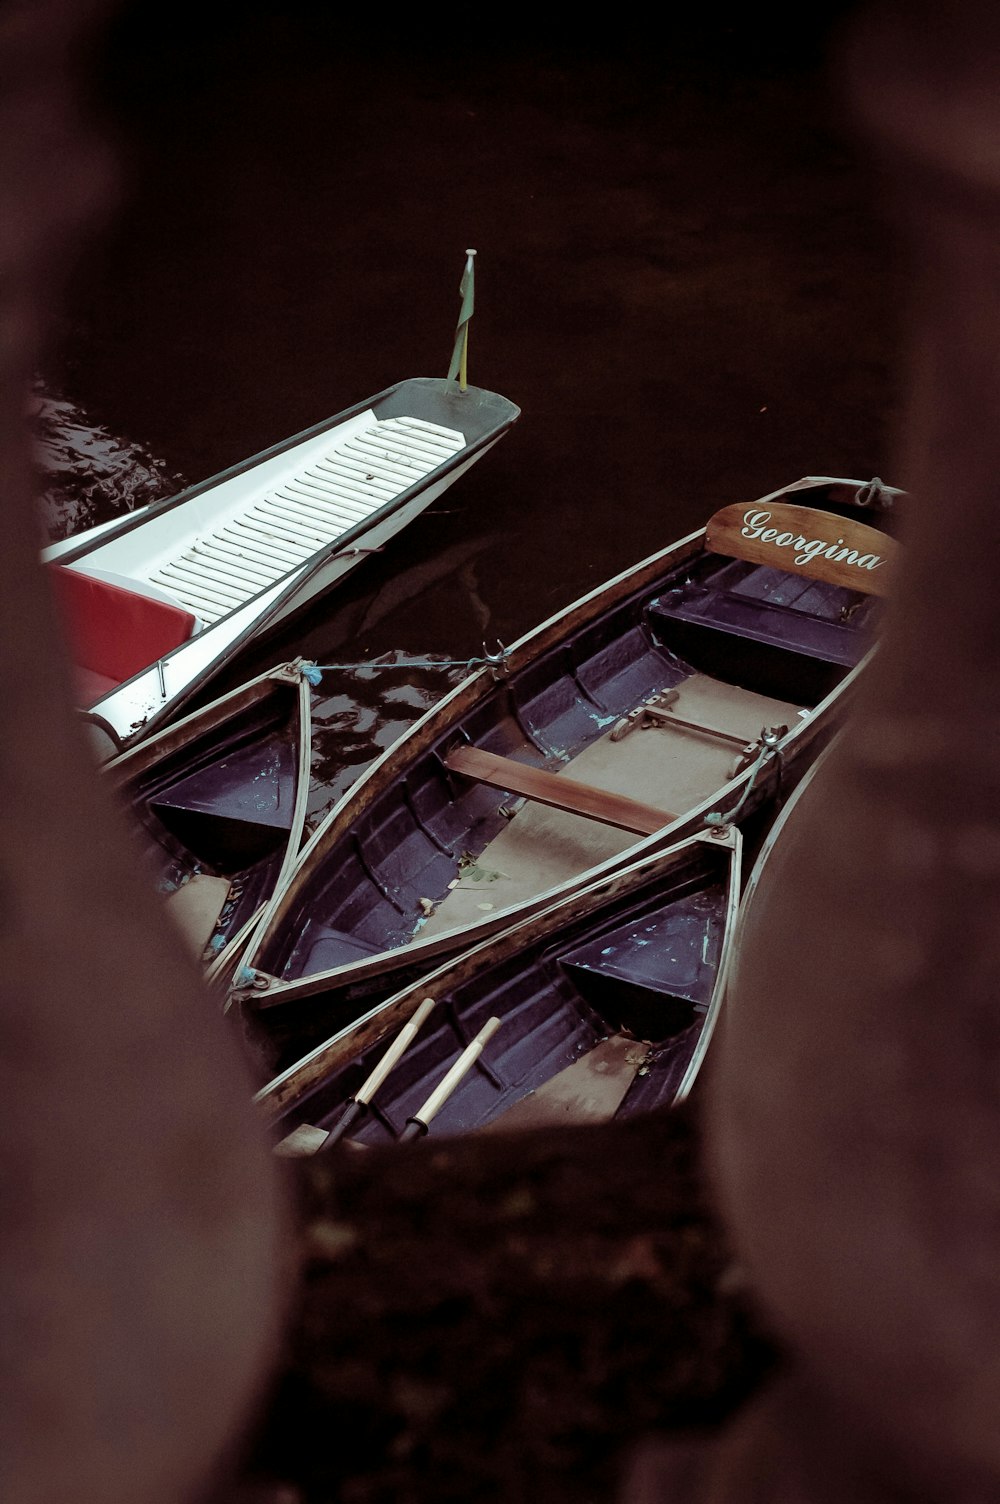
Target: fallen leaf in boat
(469,867)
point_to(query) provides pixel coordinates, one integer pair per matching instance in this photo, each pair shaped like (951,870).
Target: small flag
(467,292)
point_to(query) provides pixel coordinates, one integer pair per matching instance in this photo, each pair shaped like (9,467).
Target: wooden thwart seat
(557,791)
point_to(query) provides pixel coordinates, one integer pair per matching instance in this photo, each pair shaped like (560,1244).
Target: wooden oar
(419,1123)
(356,1105)
(306,1139)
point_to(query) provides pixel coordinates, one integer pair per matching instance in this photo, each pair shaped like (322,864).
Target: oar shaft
(421,1119)
(368,1088)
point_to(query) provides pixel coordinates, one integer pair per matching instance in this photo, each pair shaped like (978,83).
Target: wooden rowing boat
(602,1005)
(677,694)
(155,604)
(218,803)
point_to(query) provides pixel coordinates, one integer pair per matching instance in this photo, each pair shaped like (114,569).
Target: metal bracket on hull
(656,712)
(768,740)
(249,980)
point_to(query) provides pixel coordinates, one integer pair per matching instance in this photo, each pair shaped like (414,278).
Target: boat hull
(218,805)
(640,955)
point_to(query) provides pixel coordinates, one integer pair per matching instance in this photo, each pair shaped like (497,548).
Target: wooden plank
(195,908)
(801,540)
(555,790)
(590,1090)
(302,1141)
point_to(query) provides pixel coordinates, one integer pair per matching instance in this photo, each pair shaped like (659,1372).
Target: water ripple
(87,474)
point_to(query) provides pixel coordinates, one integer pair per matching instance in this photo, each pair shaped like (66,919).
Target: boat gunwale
(777,828)
(90,543)
(220,969)
(283,680)
(135,760)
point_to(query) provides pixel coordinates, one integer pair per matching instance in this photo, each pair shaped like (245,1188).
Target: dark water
(683,279)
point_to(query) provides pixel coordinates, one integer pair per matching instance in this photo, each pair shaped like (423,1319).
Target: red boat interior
(113,632)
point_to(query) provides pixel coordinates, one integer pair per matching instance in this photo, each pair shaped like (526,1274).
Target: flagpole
(460,356)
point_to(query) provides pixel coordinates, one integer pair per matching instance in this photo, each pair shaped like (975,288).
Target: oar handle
(358,1104)
(352,1111)
(419,1123)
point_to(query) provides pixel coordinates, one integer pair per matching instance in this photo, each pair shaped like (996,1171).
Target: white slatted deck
(276,532)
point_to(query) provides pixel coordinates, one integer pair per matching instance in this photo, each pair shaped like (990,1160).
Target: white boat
(156,603)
